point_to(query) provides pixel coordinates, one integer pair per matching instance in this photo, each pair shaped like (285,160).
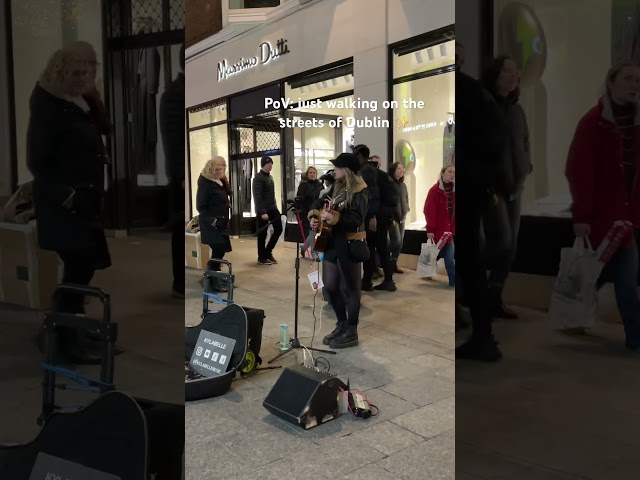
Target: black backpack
(389,193)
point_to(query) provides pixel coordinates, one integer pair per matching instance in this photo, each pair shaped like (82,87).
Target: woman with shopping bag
(439,211)
(603,170)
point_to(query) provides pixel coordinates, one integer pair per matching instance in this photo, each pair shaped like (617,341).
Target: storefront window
(424,138)
(239,4)
(425,59)
(543,38)
(204,144)
(205,116)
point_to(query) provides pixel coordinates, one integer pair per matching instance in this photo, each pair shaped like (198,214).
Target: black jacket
(481,139)
(369,173)
(65,154)
(212,203)
(403,206)
(172,127)
(352,219)
(309,192)
(264,193)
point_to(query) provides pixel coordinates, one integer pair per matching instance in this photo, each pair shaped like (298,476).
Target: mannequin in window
(147,81)
(449,141)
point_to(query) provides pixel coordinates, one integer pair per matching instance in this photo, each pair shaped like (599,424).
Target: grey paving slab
(430,460)
(388,438)
(430,420)
(422,390)
(370,472)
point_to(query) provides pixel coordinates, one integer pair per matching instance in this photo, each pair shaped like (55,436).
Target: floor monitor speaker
(304,396)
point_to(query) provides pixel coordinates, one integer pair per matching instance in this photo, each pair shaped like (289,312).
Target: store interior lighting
(430,54)
(419,58)
(443,50)
(334,81)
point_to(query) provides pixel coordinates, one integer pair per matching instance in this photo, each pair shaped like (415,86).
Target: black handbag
(358,251)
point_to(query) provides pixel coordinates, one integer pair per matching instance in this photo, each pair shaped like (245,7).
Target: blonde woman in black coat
(65,154)
(213,204)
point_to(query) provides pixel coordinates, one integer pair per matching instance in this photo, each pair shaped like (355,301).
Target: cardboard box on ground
(196,255)
(28,275)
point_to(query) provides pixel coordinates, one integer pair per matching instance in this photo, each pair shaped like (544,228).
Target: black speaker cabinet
(304,397)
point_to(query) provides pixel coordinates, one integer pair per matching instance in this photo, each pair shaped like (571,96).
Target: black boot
(340,327)
(387,285)
(347,338)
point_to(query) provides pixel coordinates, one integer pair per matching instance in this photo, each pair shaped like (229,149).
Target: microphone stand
(295,342)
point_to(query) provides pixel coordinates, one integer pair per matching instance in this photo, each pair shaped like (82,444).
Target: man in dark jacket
(480,143)
(264,196)
(172,128)
(376,223)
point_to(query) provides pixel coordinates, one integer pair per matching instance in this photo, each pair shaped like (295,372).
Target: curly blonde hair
(59,68)
(210,166)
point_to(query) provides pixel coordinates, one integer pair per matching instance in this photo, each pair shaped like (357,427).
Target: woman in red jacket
(603,170)
(440,212)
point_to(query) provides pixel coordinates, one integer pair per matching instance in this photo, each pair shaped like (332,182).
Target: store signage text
(266,53)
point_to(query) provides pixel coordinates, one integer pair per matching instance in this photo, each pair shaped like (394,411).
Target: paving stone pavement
(404,363)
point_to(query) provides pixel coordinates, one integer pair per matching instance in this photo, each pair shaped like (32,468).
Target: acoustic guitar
(324,230)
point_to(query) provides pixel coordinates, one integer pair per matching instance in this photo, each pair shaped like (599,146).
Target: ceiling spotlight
(334,81)
(347,79)
(419,58)
(302,89)
(324,84)
(318,85)
(443,50)
(430,54)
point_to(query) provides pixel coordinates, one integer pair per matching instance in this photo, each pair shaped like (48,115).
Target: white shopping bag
(428,262)
(574,299)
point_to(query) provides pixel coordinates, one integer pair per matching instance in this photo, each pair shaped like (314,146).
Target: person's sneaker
(264,261)
(367,286)
(273,260)
(386,286)
(483,350)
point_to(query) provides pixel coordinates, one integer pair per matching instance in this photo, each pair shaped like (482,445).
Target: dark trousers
(217,251)
(342,284)
(177,237)
(470,270)
(265,251)
(79,268)
(378,242)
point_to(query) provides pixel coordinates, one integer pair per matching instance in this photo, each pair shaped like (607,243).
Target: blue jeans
(396,237)
(622,270)
(448,253)
(307,244)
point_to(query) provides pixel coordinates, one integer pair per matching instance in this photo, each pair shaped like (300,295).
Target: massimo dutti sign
(266,53)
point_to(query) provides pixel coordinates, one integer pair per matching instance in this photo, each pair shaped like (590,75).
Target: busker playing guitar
(345,249)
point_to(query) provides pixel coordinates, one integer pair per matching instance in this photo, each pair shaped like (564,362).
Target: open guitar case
(118,435)
(243,324)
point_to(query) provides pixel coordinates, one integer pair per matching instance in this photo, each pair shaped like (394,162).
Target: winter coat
(212,203)
(264,193)
(347,220)
(369,173)
(403,207)
(480,142)
(517,160)
(437,214)
(596,174)
(308,192)
(65,154)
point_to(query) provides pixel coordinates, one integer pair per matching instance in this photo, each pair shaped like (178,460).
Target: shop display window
(208,115)
(424,138)
(544,45)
